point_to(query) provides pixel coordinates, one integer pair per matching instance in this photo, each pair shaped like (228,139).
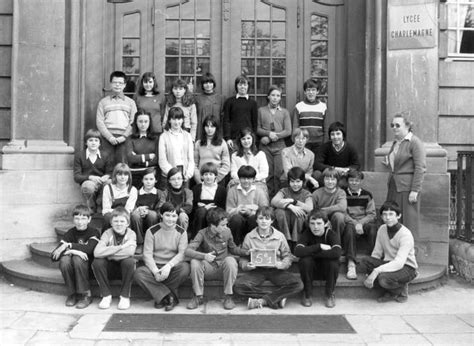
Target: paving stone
(380,324)
(197,339)
(451,339)
(402,339)
(57,338)
(45,321)
(115,342)
(89,326)
(468,318)
(15,337)
(322,339)
(7,318)
(438,324)
(147,341)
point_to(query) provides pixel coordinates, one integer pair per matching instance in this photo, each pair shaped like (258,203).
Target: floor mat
(187,323)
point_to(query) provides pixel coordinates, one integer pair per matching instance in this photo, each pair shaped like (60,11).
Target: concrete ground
(444,316)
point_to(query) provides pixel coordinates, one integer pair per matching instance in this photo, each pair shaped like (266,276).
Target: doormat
(187,323)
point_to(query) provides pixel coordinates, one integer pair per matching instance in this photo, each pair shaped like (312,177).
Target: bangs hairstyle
(150,170)
(208,77)
(136,131)
(187,99)
(273,88)
(118,74)
(390,206)
(355,173)
(253,148)
(312,83)
(299,131)
(215,216)
(121,168)
(217,138)
(92,133)
(241,79)
(337,126)
(173,171)
(265,211)
(145,78)
(168,207)
(120,211)
(174,113)
(318,214)
(296,173)
(246,172)
(208,167)
(331,173)
(82,210)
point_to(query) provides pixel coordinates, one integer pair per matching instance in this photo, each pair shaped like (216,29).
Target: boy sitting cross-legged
(392,264)
(75,255)
(265,237)
(114,259)
(211,252)
(319,249)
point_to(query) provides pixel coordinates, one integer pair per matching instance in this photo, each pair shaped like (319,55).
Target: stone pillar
(412,85)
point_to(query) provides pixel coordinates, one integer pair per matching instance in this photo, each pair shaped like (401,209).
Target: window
(460,28)
(319,52)
(131,50)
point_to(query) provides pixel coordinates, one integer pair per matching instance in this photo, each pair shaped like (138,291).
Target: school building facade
(374,57)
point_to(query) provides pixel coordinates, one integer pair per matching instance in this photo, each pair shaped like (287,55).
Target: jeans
(320,268)
(75,272)
(140,225)
(201,270)
(241,225)
(275,165)
(105,269)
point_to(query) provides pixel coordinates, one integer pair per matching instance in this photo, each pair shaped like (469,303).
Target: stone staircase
(41,274)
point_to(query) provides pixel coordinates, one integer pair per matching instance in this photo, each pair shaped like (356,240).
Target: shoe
(403,296)
(172,302)
(386,297)
(71,300)
(194,303)
(306,301)
(124,303)
(331,301)
(159,305)
(282,303)
(105,302)
(255,303)
(228,302)
(351,272)
(84,302)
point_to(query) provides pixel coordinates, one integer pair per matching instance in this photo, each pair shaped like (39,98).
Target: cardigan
(166,154)
(219,197)
(280,121)
(83,167)
(258,161)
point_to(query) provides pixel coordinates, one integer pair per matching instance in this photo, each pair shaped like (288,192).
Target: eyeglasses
(395,125)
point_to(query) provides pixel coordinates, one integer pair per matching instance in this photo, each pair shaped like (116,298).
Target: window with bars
(263,48)
(319,52)
(460,28)
(187,41)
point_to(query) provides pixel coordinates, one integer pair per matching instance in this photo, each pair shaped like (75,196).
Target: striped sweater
(311,117)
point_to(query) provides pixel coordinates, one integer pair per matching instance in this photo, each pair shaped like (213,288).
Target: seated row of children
(214,255)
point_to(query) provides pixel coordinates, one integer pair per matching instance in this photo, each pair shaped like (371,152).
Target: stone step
(33,275)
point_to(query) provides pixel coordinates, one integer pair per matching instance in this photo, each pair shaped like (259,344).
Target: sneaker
(84,302)
(105,302)
(124,303)
(194,303)
(282,303)
(255,303)
(331,301)
(306,301)
(71,300)
(351,272)
(228,302)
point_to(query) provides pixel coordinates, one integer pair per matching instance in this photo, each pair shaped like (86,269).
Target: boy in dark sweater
(239,112)
(319,249)
(92,169)
(75,254)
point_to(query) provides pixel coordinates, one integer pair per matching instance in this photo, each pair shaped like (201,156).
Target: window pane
(319,49)
(248,29)
(187,47)
(203,9)
(263,11)
(280,82)
(187,65)
(187,9)
(247,48)
(187,28)
(278,13)
(172,28)
(278,30)
(130,87)
(169,81)
(171,66)
(247,7)
(248,66)
(131,25)
(131,46)
(203,47)
(319,68)
(263,48)
(203,65)
(263,66)
(131,65)
(263,84)
(262,101)
(324,86)
(172,12)
(203,29)
(279,67)
(278,48)
(263,29)
(319,27)
(172,47)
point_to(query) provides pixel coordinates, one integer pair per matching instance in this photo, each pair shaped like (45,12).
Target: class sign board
(263,257)
(412,26)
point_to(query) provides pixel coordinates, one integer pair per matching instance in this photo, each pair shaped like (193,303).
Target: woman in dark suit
(407,163)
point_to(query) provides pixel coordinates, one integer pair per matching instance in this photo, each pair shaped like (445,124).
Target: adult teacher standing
(407,162)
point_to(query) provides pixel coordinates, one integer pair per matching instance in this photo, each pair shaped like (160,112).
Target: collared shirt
(396,146)
(246,192)
(238,96)
(299,153)
(143,192)
(118,96)
(208,192)
(88,155)
(352,193)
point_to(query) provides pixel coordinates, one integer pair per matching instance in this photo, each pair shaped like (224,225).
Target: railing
(464,196)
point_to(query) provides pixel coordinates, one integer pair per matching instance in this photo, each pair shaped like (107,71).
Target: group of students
(314,190)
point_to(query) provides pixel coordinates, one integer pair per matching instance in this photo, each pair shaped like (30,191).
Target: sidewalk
(444,316)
